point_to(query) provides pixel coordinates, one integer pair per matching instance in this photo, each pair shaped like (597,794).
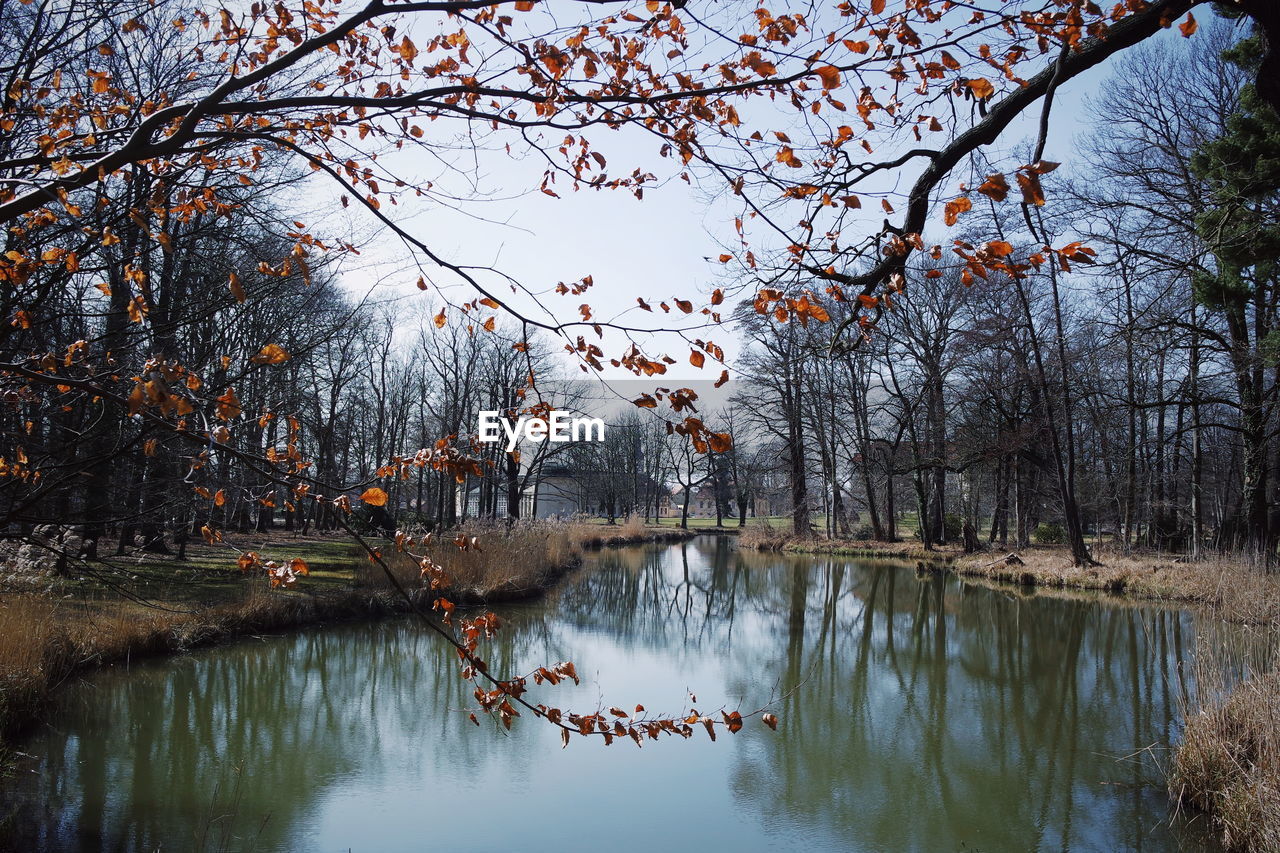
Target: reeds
(45,641)
(1228,762)
(760,535)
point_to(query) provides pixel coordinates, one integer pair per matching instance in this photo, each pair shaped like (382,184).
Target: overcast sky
(663,246)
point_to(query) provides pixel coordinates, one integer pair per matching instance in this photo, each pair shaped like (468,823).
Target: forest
(1124,386)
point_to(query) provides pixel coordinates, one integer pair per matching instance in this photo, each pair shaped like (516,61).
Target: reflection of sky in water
(925,715)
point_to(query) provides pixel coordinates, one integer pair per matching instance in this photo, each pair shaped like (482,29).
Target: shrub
(863,533)
(952,526)
(1050,533)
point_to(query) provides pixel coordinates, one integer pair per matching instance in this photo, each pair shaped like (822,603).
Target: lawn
(210,575)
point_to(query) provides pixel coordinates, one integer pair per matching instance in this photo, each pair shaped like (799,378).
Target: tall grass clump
(1228,763)
(511,560)
(32,657)
(760,535)
(633,527)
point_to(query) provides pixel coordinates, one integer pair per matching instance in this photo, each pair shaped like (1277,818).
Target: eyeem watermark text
(557,427)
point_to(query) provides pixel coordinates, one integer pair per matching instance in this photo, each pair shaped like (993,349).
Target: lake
(916,713)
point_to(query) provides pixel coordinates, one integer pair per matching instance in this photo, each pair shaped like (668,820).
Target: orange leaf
(696,358)
(995,187)
(1032,192)
(982,88)
(407,49)
(236,289)
(830,76)
(955,207)
(786,155)
(374,497)
(300,566)
(229,405)
(439,319)
(271,354)
(1189,26)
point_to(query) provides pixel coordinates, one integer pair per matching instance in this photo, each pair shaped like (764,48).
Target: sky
(663,246)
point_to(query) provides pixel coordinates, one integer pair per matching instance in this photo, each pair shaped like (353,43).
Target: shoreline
(1233,589)
(62,655)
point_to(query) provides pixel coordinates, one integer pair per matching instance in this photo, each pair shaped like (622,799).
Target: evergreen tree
(1241,230)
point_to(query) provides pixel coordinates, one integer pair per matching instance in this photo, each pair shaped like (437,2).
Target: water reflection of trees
(948,713)
(150,761)
(922,713)
(927,712)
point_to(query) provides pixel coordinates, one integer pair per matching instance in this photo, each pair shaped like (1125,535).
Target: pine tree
(1241,231)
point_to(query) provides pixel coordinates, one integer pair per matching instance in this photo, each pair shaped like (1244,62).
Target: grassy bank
(145,605)
(513,563)
(1238,590)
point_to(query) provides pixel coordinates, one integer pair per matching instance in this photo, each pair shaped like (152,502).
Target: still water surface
(917,714)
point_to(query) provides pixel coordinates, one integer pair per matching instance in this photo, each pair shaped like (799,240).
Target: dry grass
(510,562)
(763,536)
(513,561)
(1237,588)
(44,641)
(1228,763)
(633,527)
(760,535)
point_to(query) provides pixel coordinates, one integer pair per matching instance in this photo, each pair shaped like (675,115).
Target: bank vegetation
(48,636)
